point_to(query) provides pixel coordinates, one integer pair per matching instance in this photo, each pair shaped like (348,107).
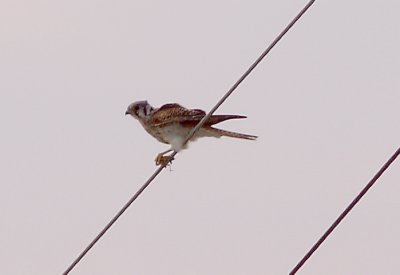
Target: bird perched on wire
(172,123)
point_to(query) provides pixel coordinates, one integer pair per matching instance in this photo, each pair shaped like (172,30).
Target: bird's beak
(127,113)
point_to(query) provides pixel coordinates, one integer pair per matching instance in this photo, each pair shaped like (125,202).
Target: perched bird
(172,123)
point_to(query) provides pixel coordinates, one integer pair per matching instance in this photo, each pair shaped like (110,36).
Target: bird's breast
(166,133)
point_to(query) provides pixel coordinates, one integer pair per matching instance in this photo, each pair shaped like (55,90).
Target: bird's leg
(163,160)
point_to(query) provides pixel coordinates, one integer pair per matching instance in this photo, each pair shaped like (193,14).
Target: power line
(249,70)
(196,128)
(113,220)
(345,212)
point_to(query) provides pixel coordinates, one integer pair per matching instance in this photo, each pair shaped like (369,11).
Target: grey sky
(325,105)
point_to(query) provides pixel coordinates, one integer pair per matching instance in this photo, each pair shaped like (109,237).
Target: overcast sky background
(324,103)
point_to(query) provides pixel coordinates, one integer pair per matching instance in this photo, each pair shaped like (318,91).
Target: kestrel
(172,123)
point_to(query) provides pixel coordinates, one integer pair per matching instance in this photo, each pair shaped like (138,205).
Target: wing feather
(175,113)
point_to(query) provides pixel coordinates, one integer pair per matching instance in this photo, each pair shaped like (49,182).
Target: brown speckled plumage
(175,113)
(171,123)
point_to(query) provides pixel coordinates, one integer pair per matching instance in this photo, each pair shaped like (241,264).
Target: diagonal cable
(194,130)
(249,70)
(345,212)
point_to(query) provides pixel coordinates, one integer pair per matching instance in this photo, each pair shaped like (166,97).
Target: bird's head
(139,109)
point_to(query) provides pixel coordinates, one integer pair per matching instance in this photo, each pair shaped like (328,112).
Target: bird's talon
(163,160)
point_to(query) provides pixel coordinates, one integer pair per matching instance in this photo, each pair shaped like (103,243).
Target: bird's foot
(163,160)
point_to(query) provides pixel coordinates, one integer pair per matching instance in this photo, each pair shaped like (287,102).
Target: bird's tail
(220,132)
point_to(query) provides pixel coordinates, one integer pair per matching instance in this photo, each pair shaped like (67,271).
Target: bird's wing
(175,113)
(214,119)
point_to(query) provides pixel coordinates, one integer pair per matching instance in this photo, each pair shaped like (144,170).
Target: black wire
(113,220)
(249,70)
(196,128)
(345,212)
